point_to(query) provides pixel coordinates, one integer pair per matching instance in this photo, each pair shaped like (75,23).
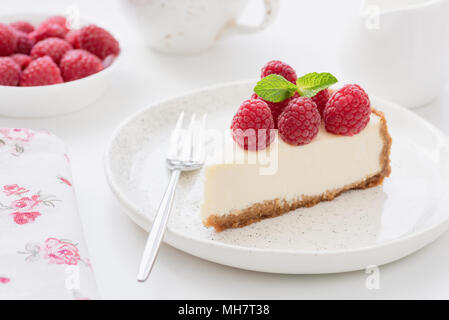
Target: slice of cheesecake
(238,194)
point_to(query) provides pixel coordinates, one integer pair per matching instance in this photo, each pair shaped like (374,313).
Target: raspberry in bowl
(60,70)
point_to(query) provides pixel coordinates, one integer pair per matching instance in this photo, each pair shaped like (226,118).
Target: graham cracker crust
(277,207)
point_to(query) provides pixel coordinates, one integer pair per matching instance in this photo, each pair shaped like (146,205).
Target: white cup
(191,26)
(398,49)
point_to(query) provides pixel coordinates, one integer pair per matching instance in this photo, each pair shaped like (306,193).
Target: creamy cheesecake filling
(328,163)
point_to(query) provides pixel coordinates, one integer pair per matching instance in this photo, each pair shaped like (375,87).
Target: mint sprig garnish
(312,83)
(275,88)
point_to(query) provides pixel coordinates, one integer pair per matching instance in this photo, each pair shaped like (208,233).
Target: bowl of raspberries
(49,68)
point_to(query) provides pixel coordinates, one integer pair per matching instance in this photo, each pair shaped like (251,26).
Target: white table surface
(115,242)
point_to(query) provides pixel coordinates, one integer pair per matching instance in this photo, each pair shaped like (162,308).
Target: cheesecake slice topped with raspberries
(319,142)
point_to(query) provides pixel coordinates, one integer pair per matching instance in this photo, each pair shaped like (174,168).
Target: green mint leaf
(312,83)
(275,88)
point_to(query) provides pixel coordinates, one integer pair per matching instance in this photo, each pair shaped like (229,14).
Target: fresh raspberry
(73,37)
(59,20)
(9,72)
(275,107)
(40,72)
(348,111)
(252,124)
(77,64)
(281,68)
(8,40)
(21,59)
(55,48)
(44,31)
(321,99)
(98,41)
(300,121)
(22,26)
(24,43)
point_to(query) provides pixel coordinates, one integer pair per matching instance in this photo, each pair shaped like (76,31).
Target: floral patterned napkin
(42,250)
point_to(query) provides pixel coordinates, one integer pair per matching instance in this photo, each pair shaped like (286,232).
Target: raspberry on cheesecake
(252,124)
(280,68)
(300,121)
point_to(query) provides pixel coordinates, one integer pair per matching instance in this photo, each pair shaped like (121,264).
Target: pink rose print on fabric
(65,181)
(26,203)
(25,217)
(17,135)
(55,251)
(25,209)
(4,280)
(61,252)
(67,158)
(15,139)
(14,189)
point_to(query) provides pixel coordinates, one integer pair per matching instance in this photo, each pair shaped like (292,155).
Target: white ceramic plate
(57,99)
(358,229)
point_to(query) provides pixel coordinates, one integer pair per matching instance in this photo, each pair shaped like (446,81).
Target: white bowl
(57,99)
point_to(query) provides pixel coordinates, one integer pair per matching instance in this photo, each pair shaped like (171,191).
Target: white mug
(190,26)
(398,49)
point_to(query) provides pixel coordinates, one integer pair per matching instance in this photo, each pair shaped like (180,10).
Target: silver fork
(186,153)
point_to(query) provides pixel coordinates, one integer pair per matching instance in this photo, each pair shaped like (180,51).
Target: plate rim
(129,207)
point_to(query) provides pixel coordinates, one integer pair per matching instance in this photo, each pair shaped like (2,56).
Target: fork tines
(187,145)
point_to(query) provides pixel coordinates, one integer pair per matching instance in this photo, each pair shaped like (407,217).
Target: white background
(306,36)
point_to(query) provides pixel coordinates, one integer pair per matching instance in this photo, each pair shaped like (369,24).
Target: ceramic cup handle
(271,8)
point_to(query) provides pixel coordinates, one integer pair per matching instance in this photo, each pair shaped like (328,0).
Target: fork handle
(158,229)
